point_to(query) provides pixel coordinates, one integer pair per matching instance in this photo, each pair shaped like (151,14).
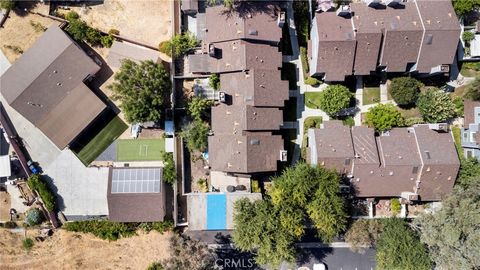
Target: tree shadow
(248,9)
(312,255)
(22,8)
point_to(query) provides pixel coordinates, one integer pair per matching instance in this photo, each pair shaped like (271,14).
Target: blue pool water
(216,212)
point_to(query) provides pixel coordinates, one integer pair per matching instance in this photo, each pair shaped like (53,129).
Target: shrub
(7,4)
(27,244)
(107,41)
(304,59)
(196,135)
(155,266)
(36,183)
(103,229)
(404,90)
(468,36)
(93,36)
(383,117)
(363,234)
(77,29)
(349,121)
(202,185)
(181,44)
(395,206)
(312,122)
(159,226)
(34,217)
(169,171)
(71,16)
(38,27)
(14,48)
(214,81)
(435,106)
(334,99)
(165,47)
(256,186)
(312,81)
(113,31)
(198,107)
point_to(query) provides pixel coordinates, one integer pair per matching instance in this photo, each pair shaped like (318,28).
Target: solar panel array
(136,180)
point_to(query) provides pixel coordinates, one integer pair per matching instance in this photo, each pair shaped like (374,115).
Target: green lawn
(289,72)
(290,110)
(470,69)
(140,149)
(101,141)
(371,95)
(312,100)
(409,113)
(458,141)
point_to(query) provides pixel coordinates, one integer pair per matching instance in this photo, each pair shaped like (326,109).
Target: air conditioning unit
(344,11)
(222,97)
(283,155)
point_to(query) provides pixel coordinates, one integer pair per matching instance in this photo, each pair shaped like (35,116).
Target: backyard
(312,100)
(100,142)
(371,95)
(140,149)
(289,72)
(146,21)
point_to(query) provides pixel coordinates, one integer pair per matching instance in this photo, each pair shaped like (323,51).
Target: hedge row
(36,183)
(112,231)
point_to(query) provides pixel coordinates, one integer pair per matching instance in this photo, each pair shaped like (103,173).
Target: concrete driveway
(337,258)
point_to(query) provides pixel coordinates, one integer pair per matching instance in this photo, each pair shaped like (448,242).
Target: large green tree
(143,90)
(196,135)
(435,106)
(404,90)
(334,99)
(464,7)
(469,172)
(301,195)
(473,90)
(383,117)
(180,44)
(452,233)
(399,248)
(258,229)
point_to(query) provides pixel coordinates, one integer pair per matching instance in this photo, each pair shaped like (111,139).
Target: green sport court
(140,149)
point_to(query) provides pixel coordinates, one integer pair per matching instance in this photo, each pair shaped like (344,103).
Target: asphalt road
(337,259)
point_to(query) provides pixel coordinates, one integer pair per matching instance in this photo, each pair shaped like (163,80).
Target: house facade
(414,36)
(471,130)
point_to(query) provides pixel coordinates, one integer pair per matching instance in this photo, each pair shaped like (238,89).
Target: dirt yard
(4,206)
(147,21)
(19,33)
(66,250)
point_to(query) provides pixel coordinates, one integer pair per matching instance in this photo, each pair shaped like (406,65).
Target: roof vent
(254,142)
(429,39)
(344,11)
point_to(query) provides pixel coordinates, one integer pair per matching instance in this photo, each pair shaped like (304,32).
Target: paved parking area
(337,258)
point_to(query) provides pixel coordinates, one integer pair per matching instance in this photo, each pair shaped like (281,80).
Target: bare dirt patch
(20,32)
(146,21)
(4,206)
(66,250)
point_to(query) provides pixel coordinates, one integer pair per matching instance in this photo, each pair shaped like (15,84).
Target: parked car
(32,167)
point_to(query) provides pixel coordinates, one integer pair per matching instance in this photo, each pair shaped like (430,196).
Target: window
(415,170)
(428,154)
(347,161)
(469,153)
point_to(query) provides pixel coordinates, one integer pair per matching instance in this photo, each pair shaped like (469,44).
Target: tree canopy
(469,172)
(404,90)
(463,7)
(473,91)
(302,194)
(180,44)
(188,254)
(383,117)
(334,99)
(452,233)
(363,234)
(143,90)
(435,106)
(196,135)
(7,4)
(197,107)
(399,248)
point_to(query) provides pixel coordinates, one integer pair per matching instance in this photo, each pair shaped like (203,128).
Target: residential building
(415,36)
(46,86)
(136,194)
(470,131)
(418,163)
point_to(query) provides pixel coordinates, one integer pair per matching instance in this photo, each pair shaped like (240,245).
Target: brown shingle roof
(365,145)
(257,22)
(234,119)
(249,153)
(336,47)
(442,32)
(237,56)
(46,83)
(135,206)
(255,87)
(334,140)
